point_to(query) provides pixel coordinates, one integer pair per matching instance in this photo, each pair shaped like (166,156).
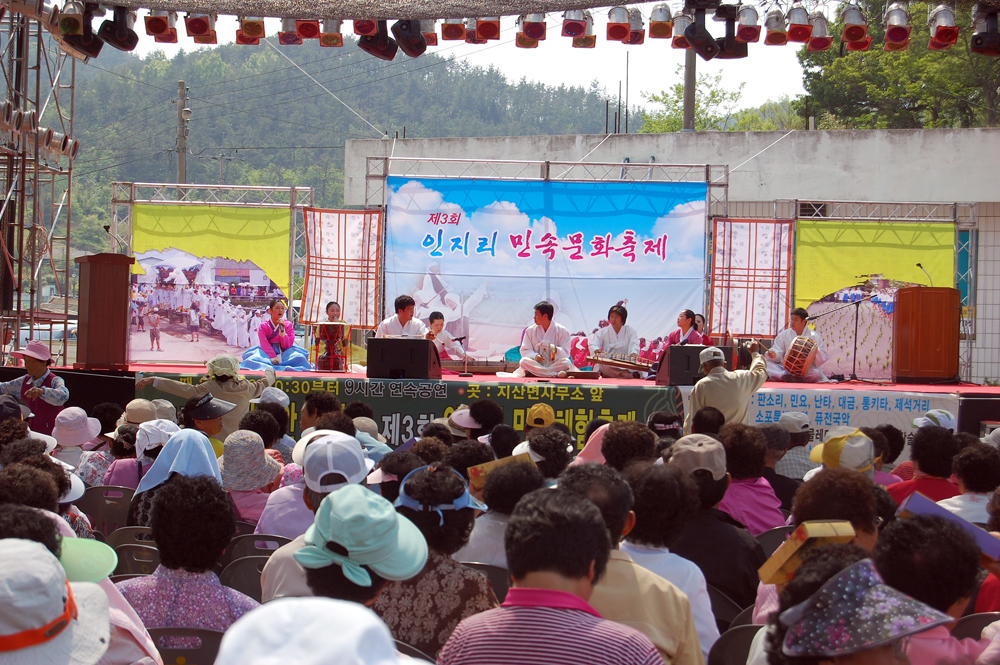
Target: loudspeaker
(679,365)
(396,358)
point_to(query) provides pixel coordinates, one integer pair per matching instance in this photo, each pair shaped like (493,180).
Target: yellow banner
(239,233)
(833,255)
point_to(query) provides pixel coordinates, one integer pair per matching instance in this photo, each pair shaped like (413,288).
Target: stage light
(471,34)
(748,30)
(365,28)
(71,18)
(159,22)
(897,27)
(244,40)
(86,44)
(48,18)
(986,33)
(533,26)
(16,122)
(587,39)
(618,24)
(409,38)
(453,29)
(288,36)
(428,29)
(661,23)
(307,28)
(331,35)
(729,47)
(199,25)
(57,145)
(118,31)
(380,44)
(700,39)
(777,34)
(944,31)
(574,23)
(799,28)
(820,40)
(855,24)
(681,22)
(251,26)
(636,28)
(71,148)
(860,45)
(520,39)
(488,28)
(29,121)
(6,116)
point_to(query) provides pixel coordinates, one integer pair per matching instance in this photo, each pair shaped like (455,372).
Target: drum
(800,356)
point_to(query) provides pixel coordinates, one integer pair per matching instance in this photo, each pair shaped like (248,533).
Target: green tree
(714,106)
(773,115)
(915,88)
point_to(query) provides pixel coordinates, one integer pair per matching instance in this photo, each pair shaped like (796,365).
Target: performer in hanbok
(448,348)
(775,356)
(332,358)
(687,330)
(277,343)
(402,324)
(616,338)
(699,320)
(545,346)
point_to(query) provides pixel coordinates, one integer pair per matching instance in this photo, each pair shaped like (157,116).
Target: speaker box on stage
(399,358)
(679,365)
(925,323)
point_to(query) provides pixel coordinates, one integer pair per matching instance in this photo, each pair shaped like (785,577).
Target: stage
(402,407)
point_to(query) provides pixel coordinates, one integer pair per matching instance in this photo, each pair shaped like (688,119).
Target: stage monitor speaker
(400,358)
(679,365)
(925,325)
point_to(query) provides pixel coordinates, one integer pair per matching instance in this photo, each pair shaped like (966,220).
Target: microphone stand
(466,373)
(857,307)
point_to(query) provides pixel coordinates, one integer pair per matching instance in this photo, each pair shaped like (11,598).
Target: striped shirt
(545,627)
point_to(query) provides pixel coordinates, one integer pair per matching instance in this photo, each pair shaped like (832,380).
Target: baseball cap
(795,422)
(696,452)
(50,619)
(540,415)
(260,637)
(710,354)
(273,395)
(846,448)
(372,532)
(334,452)
(10,408)
(936,417)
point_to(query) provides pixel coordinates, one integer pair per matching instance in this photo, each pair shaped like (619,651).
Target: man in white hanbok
(545,346)
(775,356)
(616,338)
(402,324)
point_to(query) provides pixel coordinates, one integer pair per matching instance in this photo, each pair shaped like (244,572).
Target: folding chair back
(187,646)
(724,608)
(412,652)
(131,535)
(733,646)
(251,544)
(499,578)
(771,539)
(973,624)
(136,559)
(106,506)
(244,575)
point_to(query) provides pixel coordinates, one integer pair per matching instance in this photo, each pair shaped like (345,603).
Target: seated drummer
(448,348)
(783,341)
(545,346)
(617,339)
(402,324)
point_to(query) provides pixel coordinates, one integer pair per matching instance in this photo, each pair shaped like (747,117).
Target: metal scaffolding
(36,158)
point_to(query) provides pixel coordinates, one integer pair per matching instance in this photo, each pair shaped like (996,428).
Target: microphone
(931,279)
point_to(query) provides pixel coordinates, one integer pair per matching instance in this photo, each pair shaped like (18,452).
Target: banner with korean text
(483,252)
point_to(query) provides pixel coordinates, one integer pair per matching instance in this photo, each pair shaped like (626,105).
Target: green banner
(403,407)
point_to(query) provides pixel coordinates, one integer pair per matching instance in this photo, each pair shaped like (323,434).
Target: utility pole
(183,115)
(690,85)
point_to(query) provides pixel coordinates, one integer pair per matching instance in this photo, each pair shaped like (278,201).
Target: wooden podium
(925,324)
(103,331)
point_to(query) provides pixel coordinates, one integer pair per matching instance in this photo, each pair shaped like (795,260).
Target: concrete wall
(881,165)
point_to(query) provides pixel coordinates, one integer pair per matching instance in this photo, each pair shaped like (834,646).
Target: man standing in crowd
(729,392)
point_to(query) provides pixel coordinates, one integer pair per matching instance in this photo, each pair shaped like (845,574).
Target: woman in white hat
(41,390)
(223,380)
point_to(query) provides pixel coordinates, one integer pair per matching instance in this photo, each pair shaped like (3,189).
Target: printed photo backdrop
(483,252)
(226,262)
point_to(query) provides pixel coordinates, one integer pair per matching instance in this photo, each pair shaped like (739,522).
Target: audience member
(557,549)
(935,562)
(335,421)
(423,610)
(69,487)
(977,468)
(933,418)
(839,494)
(880,442)
(289,509)
(192,520)
(504,487)
(393,468)
(20,521)
(707,420)
(280,414)
(896,441)
(503,440)
(127,469)
(464,454)
(357,545)
(749,499)
(438,430)
(297,630)
(721,547)
(330,461)
(796,463)
(728,391)
(430,449)
(186,453)
(248,473)
(204,414)
(550,449)
(885,506)
(844,448)
(776,439)
(137,412)
(666,499)
(592,447)
(165,410)
(480,418)
(317,404)
(933,450)
(265,425)
(539,415)
(367,433)
(593,426)
(666,423)
(988,598)
(73,428)
(28,486)
(12,429)
(359,409)
(628,593)
(627,441)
